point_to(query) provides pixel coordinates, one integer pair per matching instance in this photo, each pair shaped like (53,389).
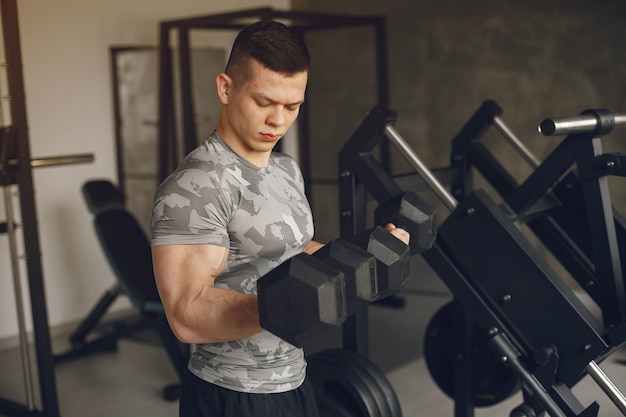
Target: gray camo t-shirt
(263,217)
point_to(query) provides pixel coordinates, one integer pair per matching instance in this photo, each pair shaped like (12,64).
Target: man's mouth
(270,136)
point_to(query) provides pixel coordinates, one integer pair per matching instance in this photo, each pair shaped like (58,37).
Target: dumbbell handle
(421,168)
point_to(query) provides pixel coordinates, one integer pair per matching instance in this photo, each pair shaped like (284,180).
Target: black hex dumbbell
(359,269)
(301,297)
(308,294)
(408,211)
(392,258)
(411,212)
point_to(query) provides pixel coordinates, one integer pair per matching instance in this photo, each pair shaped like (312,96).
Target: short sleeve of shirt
(190,207)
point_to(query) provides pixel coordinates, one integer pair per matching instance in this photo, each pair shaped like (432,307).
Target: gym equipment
(392,260)
(128,252)
(308,294)
(507,290)
(553,200)
(301,297)
(412,213)
(558,354)
(348,385)
(359,270)
(16,170)
(492,381)
(557,204)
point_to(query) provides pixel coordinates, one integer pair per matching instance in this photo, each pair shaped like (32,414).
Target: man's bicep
(181,270)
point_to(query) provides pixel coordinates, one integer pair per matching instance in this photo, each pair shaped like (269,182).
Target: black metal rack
(18,141)
(302,22)
(16,167)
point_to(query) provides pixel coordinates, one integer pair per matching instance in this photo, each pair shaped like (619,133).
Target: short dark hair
(272,44)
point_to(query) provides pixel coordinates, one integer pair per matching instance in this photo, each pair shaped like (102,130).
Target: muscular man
(232,211)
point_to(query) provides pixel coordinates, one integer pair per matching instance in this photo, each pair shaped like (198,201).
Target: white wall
(65,49)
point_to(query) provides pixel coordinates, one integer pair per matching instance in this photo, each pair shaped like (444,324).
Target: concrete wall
(65,47)
(536,59)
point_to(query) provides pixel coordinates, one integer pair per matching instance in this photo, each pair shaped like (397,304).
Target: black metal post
(43,346)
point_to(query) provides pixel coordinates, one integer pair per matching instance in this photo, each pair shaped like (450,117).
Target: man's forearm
(216,315)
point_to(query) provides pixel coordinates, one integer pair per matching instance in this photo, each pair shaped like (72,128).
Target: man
(231,212)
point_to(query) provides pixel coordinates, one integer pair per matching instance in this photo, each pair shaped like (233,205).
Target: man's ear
(224,85)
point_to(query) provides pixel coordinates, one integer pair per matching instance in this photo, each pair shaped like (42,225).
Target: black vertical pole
(304,148)
(190,140)
(352,208)
(382,73)
(117,120)
(168,154)
(43,346)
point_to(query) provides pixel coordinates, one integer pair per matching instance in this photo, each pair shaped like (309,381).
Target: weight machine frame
(548,358)
(22,176)
(550,202)
(170,144)
(16,167)
(362,177)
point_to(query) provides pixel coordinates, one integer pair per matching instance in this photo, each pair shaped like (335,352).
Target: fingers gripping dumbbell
(411,212)
(310,294)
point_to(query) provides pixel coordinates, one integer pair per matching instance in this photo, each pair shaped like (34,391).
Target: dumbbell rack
(16,171)
(548,357)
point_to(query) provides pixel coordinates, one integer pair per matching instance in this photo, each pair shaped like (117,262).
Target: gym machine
(568,209)
(507,295)
(16,170)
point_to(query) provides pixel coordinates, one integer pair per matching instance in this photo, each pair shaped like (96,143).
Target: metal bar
(382,91)
(607,386)
(117,116)
(605,249)
(188,128)
(501,346)
(56,160)
(19,301)
(532,160)
(446,197)
(352,203)
(168,153)
(583,123)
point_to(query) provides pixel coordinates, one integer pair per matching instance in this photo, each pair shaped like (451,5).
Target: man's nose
(276,116)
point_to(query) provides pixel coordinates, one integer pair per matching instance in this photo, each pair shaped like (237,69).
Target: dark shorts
(199,398)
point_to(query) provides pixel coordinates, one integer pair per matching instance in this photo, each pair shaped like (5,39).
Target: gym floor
(128,381)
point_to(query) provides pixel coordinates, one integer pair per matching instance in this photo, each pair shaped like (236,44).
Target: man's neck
(258,159)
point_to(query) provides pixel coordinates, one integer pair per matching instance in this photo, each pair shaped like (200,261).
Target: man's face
(259,111)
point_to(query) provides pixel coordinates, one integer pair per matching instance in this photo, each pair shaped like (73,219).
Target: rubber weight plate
(329,376)
(493,381)
(387,398)
(353,383)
